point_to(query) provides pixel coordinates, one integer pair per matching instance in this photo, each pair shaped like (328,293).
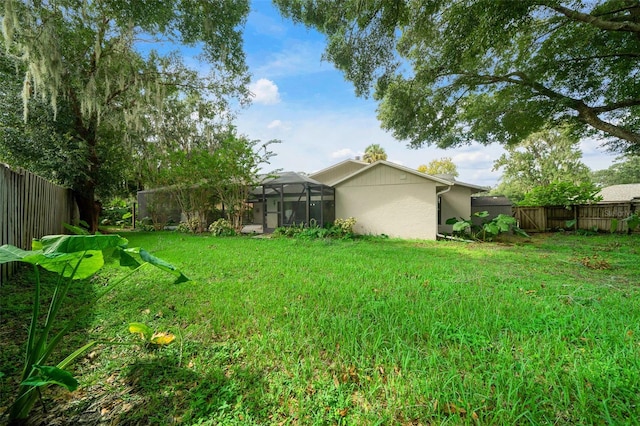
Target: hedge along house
(386,198)
(292,199)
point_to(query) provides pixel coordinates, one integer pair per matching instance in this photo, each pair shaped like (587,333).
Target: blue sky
(307,104)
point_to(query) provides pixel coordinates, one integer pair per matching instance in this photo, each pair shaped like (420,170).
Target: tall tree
(624,170)
(83,53)
(548,156)
(488,70)
(40,144)
(373,153)
(202,162)
(442,166)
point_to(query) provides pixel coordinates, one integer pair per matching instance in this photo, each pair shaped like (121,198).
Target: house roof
(625,192)
(448,182)
(336,172)
(286,178)
(340,164)
(285,182)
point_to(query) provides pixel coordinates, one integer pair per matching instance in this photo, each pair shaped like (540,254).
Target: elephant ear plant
(488,230)
(72,257)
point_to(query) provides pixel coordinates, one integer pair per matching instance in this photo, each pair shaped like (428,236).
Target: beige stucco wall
(385,200)
(455,203)
(340,171)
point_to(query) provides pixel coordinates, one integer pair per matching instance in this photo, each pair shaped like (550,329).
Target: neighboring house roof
(625,192)
(447,182)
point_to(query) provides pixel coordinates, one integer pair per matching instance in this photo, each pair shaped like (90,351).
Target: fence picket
(30,207)
(598,216)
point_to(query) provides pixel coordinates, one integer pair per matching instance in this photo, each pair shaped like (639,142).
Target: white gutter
(444,190)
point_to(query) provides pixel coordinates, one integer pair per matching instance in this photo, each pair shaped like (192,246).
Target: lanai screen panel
(293,199)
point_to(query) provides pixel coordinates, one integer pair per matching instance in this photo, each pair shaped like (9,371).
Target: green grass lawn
(365,332)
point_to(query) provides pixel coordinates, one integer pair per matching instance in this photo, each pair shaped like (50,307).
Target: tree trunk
(88,207)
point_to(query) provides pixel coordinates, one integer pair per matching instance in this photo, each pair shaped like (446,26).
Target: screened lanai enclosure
(292,199)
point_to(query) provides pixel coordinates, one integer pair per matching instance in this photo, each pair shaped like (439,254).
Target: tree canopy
(562,194)
(88,57)
(624,170)
(373,153)
(441,166)
(548,156)
(451,72)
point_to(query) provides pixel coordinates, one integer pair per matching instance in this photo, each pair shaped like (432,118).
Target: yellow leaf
(162,338)
(142,329)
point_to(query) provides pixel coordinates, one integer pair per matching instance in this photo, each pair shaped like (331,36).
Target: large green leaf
(491,228)
(90,263)
(453,220)
(76,229)
(159,263)
(59,244)
(10,253)
(48,375)
(127,260)
(461,226)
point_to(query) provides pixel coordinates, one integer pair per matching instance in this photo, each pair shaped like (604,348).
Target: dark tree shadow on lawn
(163,393)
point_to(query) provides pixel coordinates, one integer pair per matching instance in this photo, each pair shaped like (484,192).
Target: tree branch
(613,55)
(604,24)
(616,105)
(587,114)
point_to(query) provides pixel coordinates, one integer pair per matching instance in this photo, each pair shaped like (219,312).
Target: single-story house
(620,193)
(385,198)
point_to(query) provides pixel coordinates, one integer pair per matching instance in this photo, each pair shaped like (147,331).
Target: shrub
(189,227)
(222,228)
(633,222)
(116,212)
(343,228)
(145,225)
(289,231)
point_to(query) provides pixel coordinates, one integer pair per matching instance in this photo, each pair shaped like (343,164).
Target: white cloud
(471,158)
(265,25)
(265,92)
(343,153)
(275,124)
(297,58)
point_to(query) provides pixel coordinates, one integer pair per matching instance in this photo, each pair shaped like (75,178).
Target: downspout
(438,194)
(444,190)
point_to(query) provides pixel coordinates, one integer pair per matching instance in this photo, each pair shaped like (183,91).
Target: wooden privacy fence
(30,207)
(601,217)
